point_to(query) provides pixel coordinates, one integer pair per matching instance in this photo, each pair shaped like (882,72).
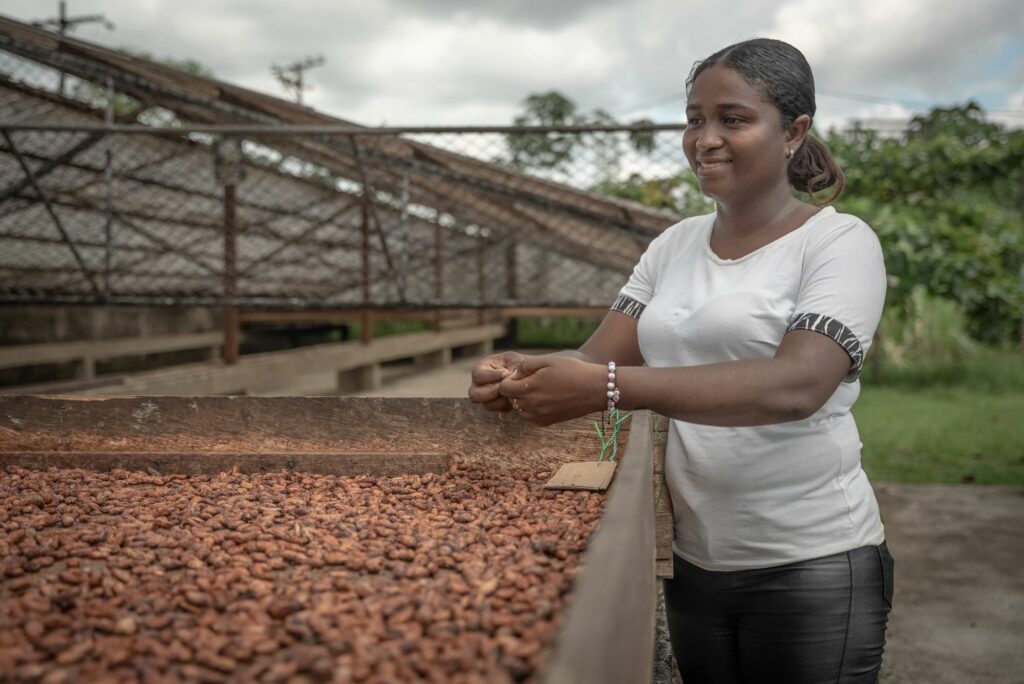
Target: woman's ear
(797,131)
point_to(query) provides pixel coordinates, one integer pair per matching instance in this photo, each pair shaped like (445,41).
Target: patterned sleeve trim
(628,306)
(843,336)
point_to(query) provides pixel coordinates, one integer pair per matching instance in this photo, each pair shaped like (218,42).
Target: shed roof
(354,217)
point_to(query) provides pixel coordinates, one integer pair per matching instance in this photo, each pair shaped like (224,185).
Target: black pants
(811,622)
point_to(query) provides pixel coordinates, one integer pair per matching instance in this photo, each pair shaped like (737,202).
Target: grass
(943,435)
(987,370)
(948,422)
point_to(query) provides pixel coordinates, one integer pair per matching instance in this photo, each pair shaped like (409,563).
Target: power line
(63,23)
(292,76)
(878,99)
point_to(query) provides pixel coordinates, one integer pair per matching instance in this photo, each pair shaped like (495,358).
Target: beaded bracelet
(613,390)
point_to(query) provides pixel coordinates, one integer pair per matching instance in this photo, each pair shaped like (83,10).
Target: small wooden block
(591,475)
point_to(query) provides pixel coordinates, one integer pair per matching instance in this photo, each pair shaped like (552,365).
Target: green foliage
(642,141)
(97,94)
(679,194)
(544,150)
(924,327)
(985,370)
(186,64)
(555,151)
(947,203)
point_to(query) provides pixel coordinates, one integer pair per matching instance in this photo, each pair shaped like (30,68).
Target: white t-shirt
(757,497)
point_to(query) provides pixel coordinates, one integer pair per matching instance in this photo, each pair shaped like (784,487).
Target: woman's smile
(710,167)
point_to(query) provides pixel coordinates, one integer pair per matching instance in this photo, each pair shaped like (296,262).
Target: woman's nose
(708,139)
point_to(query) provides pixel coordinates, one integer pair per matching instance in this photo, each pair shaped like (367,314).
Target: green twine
(614,419)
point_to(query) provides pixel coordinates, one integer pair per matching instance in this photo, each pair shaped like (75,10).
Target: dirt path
(958,614)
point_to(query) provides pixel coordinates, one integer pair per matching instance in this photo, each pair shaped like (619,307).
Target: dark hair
(782,75)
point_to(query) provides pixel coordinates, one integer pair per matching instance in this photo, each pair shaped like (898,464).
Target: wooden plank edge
(210,463)
(664,518)
(608,633)
(664,568)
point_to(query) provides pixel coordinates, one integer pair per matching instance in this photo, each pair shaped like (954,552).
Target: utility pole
(291,75)
(63,23)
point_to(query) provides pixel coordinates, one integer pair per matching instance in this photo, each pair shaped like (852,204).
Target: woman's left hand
(550,389)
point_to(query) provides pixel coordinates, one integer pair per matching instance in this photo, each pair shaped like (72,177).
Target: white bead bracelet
(613,390)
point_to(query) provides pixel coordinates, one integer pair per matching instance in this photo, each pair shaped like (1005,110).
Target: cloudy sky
(451,62)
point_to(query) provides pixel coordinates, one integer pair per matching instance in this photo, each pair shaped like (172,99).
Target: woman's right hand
(486,380)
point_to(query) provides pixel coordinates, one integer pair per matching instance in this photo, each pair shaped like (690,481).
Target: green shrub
(554,332)
(924,328)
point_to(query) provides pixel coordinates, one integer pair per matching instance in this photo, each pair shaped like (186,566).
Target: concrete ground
(958,615)
(958,608)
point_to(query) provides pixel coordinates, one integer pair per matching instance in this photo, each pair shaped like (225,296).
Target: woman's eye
(693,121)
(732,120)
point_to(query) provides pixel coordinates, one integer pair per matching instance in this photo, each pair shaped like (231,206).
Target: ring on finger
(515,404)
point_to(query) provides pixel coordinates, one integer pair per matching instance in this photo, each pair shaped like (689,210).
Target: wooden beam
(334,315)
(546,311)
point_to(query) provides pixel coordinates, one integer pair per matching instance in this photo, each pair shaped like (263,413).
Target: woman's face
(734,140)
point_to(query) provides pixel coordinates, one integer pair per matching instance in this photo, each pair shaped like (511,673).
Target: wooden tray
(608,631)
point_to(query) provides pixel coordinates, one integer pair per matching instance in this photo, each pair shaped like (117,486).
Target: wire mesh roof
(97,208)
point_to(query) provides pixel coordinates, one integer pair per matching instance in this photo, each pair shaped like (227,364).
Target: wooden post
(231,323)
(229,172)
(481,280)
(366,319)
(438,274)
(512,285)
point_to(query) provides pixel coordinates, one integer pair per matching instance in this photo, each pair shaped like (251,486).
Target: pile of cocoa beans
(133,576)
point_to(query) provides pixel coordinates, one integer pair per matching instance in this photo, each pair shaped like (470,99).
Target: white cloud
(913,48)
(1013,114)
(474,61)
(891,112)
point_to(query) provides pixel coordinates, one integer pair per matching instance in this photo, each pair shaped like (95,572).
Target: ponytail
(813,168)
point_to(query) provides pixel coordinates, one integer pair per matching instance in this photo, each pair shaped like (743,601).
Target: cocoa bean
(282,608)
(288,576)
(75,653)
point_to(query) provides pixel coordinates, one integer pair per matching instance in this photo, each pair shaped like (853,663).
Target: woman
(753,323)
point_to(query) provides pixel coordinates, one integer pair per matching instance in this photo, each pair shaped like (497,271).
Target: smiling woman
(760,92)
(748,328)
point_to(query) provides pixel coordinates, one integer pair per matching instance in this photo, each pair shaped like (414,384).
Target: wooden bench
(85,353)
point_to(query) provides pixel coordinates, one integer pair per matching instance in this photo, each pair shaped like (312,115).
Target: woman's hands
(553,387)
(543,389)
(486,380)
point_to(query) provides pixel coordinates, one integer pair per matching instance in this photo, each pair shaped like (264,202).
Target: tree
(555,150)
(544,150)
(947,202)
